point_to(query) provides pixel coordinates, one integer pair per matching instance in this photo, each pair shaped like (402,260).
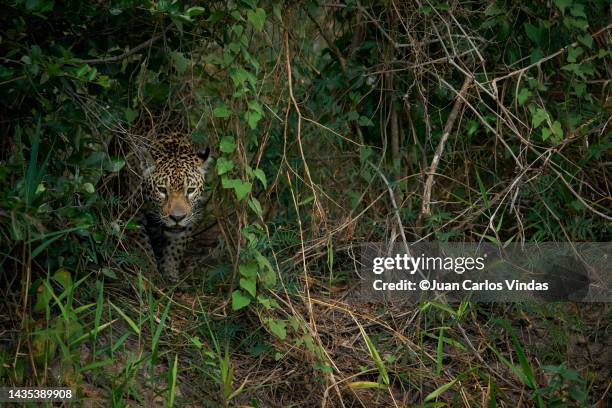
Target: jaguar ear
(146,161)
(204,155)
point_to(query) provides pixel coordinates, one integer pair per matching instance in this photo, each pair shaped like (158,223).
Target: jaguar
(169,195)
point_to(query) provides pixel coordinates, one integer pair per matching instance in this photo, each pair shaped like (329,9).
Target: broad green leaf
(586,39)
(573,53)
(250,285)
(523,95)
(224,165)
(278,327)
(365,121)
(557,129)
(538,117)
(180,62)
(114,164)
(352,115)
(62,276)
(239,300)
(265,302)
(248,270)
(227,144)
(257,18)
(242,189)
(577,10)
(88,187)
(222,111)
(252,118)
(579,88)
(563,4)
(261,176)
(364,153)
(130,114)
(255,205)
(535,34)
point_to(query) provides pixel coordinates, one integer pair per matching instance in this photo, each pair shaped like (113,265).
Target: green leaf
(261,176)
(224,165)
(278,327)
(364,385)
(172,381)
(577,10)
(255,205)
(195,11)
(573,53)
(494,9)
(535,34)
(125,317)
(586,39)
(538,117)
(130,114)
(109,273)
(250,285)
(380,365)
(227,144)
(440,390)
(248,270)
(563,4)
(473,126)
(557,129)
(196,342)
(241,188)
(114,164)
(239,300)
(579,88)
(180,62)
(582,70)
(352,115)
(252,118)
(365,121)
(364,153)
(523,95)
(222,111)
(62,276)
(89,188)
(257,18)
(265,302)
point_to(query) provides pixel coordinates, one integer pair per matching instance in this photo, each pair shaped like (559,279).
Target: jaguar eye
(162,190)
(191,190)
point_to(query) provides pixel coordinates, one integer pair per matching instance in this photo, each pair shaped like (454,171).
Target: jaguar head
(175,179)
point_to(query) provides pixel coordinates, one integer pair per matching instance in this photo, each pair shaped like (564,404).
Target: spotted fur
(171,186)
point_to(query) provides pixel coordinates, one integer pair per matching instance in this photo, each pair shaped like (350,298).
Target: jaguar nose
(177,217)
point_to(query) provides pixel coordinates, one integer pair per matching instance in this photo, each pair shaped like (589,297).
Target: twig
(450,122)
(126,54)
(397,214)
(548,57)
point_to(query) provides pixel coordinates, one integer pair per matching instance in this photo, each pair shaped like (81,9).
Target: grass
(140,346)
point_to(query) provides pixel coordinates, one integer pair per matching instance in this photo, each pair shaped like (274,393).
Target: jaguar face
(175,184)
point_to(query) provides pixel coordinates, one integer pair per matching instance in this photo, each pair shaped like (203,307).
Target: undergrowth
(331,125)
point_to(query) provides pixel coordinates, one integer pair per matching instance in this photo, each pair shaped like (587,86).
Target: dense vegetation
(331,124)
